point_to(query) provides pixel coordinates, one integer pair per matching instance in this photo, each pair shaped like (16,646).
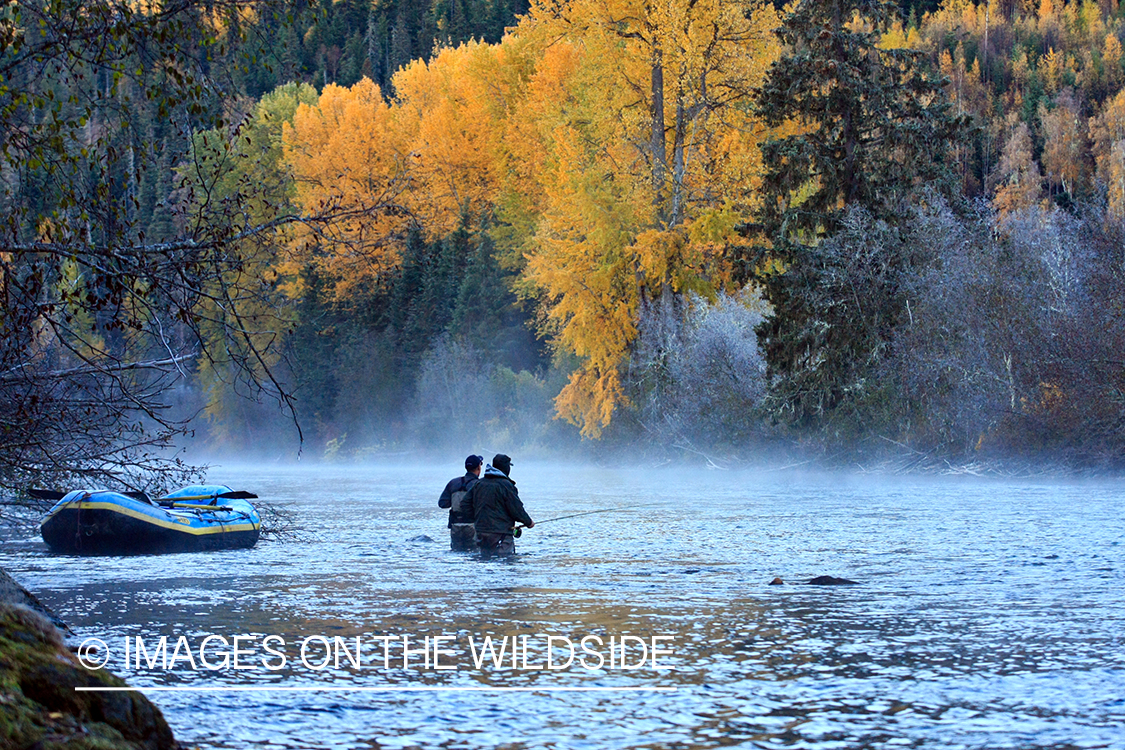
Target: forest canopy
(702,225)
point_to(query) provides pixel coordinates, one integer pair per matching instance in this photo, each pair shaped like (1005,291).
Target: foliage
(236,174)
(1008,347)
(1017,176)
(697,374)
(98,321)
(645,151)
(461,399)
(874,130)
(189,221)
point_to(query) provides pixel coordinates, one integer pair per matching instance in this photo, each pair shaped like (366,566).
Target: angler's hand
(531,524)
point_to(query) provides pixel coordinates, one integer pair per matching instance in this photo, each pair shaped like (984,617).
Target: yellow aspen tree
(1017,176)
(1092,23)
(1089,75)
(945,63)
(448,112)
(1064,147)
(348,160)
(899,37)
(1051,65)
(1107,132)
(648,152)
(978,94)
(1048,21)
(1111,61)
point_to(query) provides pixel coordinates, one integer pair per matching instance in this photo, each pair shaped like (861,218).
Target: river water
(990,614)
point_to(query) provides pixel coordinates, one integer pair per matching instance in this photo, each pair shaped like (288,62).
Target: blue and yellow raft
(103,522)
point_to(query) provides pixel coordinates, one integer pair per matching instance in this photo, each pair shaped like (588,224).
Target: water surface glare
(989,615)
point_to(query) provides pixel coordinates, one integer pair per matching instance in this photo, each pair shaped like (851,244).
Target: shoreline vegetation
(870,235)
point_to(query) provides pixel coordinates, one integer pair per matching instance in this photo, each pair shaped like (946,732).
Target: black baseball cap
(502,462)
(473,462)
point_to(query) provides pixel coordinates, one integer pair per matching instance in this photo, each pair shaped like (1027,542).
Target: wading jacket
(458,484)
(496,504)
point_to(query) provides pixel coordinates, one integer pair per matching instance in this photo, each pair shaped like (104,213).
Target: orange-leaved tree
(348,161)
(424,160)
(449,111)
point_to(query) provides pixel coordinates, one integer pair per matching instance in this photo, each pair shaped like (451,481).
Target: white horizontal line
(369,689)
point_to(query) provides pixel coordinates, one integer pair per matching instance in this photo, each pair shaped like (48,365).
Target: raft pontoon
(103,522)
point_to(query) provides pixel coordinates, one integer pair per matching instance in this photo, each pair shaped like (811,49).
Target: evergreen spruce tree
(399,50)
(402,312)
(873,137)
(432,306)
(488,314)
(313,348)
(482,298)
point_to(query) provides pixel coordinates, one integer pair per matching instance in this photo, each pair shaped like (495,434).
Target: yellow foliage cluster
(347,157)
(647,151)
(1019,178)
(608,144)
(447,111)
(899,37)
(424,160)
(1107,132)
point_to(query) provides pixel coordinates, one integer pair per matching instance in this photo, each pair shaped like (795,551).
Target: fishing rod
(518,530)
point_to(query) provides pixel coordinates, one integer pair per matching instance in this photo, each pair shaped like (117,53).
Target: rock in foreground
(39,707)
(13,593)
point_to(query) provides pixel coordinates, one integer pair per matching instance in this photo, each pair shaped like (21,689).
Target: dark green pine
(876,134)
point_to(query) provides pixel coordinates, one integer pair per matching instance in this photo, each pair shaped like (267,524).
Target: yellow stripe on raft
(180,525)
(191,497)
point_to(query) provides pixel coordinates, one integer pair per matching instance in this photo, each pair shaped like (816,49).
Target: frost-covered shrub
(1011,337)
(697,374)
(463,399)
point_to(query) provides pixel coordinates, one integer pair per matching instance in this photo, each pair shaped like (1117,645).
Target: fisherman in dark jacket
(497,508)
(462,535)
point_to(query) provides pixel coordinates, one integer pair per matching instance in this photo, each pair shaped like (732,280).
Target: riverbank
(39,705)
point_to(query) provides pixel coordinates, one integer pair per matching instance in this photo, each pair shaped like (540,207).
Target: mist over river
(990,614)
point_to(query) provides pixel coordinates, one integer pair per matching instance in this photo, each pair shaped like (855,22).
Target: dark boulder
(831,581)
(40,707)
(13,593)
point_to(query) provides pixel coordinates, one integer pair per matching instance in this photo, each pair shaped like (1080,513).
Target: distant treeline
(343,41)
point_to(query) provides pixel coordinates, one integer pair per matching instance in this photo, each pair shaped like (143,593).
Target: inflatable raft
(102,522)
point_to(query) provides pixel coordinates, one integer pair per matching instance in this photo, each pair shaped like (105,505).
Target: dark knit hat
(503,463)
(473,462)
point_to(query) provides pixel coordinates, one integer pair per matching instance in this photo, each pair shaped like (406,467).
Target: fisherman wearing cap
(497,508)
(462,535)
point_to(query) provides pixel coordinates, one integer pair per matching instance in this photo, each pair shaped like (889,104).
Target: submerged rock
(420,538)
(777,581)
(831,581)
(39,706)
